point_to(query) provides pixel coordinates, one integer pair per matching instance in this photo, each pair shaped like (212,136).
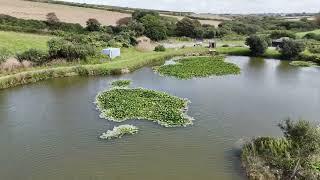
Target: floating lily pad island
(121,103)
(198,67)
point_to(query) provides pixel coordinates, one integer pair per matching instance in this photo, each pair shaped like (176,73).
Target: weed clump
(121,83)
(119,131)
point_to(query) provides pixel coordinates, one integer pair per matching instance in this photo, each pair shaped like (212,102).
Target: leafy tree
(139,14)
(93,25)
(291,48)
(154,27)
(258,45)
(124,21)
(52,18)
(188,27)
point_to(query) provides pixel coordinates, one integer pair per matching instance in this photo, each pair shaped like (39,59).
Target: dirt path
(35,10)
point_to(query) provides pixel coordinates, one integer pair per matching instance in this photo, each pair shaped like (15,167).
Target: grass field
(17,42)
(301,34)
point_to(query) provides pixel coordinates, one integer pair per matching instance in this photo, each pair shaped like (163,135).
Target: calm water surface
(49,130)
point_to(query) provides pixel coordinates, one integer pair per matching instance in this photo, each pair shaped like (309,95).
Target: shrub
(160,48)
(52,18)
(139,14)
(34,55)
(291,49)
(154,27)
(188,27)
(258,45)
(124,21)
(59,48)
(93,25)
(312,36)
(280,34)
(315,49)
(4,54)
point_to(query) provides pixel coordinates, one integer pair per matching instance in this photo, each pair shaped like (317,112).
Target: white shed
(112,52)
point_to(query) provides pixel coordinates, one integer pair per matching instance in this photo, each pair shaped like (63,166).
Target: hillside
(35,10)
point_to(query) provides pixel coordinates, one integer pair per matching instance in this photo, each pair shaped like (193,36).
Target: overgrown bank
(294,156)
(129,62)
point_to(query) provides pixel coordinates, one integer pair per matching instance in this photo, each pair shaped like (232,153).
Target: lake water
(49,130)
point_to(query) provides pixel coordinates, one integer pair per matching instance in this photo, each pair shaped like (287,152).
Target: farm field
(38,11)
(17,42)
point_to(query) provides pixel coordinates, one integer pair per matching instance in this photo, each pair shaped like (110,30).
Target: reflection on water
(49,130)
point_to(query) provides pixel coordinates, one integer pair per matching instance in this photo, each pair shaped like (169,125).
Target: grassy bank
(18,42)
(302,34)
(129,61)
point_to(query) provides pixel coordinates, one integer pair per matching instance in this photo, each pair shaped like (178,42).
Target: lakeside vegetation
(303,63)
(121,83)
(294,156)
(121,104)
(197,67)
(119,132)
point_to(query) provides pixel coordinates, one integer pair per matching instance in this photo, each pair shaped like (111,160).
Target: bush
(258,45)
(315,49)
(93,25)
(160,48)
(34,55)
(280,34)
(154,27)
(188,27)
(312,36)
(291,49)
(52,18)
(4,54)
(59,48)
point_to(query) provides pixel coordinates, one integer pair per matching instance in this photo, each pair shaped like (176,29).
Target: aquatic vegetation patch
(120,104)
(197,67)
(303,63)
(119,131)
(121,83)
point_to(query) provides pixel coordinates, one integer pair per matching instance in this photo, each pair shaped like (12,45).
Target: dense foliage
(119,131)
(121,83)
(258,45)
(295,156)
(35,56)
(120,104)
(154,27)
(160,48)
(282,33)
(93,24)
(59,48)
(199,67)
(291,49)
(188,27)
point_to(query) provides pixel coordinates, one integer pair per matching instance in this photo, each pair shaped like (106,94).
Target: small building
(112,52)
